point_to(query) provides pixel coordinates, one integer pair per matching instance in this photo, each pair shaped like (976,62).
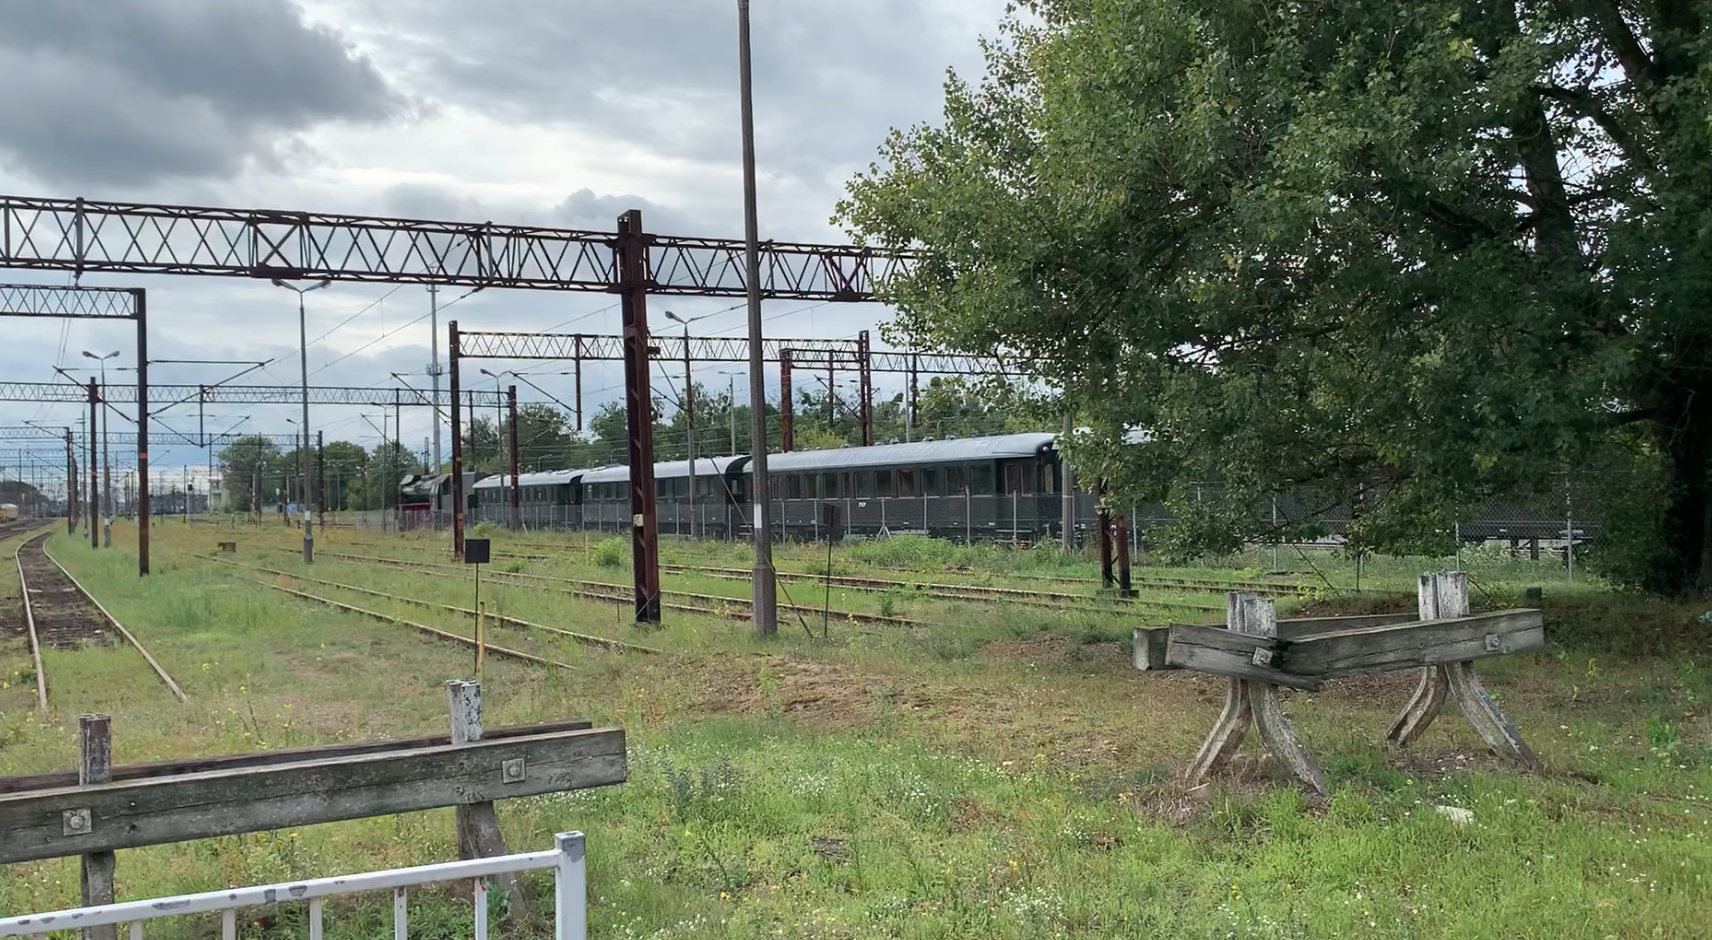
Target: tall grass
(1006,775)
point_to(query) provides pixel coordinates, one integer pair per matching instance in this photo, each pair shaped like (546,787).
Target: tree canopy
(1403,255)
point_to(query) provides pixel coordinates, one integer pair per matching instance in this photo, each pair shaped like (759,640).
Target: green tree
(343,464)
(1418,253)
(249,468)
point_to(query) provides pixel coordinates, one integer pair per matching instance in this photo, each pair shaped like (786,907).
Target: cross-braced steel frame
(98,303)
(83,236)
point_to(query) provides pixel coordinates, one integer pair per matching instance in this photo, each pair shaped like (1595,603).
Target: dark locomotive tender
(985,487)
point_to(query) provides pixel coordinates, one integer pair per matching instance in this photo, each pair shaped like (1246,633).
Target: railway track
(1056,600)
(1147,580)
(943,590)
(1021,595)
(61,614)
(618,593)
(584,638)
(719,605)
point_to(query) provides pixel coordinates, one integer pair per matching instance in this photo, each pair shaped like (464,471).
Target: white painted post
(314,919)
(570,901)
(481,909)
(229,924)
(400,913)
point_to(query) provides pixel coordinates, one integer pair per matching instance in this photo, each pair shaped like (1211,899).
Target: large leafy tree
(250,466)
(1401,255)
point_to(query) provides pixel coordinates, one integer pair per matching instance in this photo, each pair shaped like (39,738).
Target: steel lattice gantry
(84,236)
(670,347)
(236,394)
(85,303)
(96,303)
(45,435)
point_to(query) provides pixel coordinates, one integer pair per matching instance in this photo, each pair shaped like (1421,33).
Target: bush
(610,553)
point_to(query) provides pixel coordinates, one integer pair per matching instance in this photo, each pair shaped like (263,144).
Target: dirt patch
(1059,651)
(831,694)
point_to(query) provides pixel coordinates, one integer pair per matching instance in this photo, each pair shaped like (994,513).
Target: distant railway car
(548,499)
(1005,486)
(721,489)
(8,512)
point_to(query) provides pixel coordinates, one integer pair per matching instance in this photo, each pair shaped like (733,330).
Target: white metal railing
(570,896)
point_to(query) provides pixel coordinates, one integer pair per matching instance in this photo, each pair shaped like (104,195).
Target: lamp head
(672,316)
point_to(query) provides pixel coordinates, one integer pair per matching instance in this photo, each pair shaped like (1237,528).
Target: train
(1001,487)
(1006,487)
(8,512)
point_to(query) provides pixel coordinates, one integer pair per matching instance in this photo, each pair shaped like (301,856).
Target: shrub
(610,553)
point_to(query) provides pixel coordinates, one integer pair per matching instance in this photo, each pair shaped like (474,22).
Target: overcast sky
(561,112)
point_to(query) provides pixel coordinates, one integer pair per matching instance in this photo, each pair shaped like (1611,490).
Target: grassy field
(1001,773)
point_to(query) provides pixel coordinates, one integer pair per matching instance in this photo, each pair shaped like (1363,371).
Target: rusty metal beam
(639,411)
(83,236)
(589,346)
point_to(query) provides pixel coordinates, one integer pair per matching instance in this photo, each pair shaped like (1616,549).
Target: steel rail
(585,638)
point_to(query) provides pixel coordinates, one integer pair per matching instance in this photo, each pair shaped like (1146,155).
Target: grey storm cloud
(584,209)
(830,75)
(125,92)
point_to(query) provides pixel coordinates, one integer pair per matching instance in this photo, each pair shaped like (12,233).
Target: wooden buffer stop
(101,808)
(1259,653)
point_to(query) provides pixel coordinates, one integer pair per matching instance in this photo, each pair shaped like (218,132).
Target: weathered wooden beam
(1445,595)
(172,768)
(1224,652)
(1413,645)
(477,824)
(1302,627)
(1149,648)
(1150,642)
(1439,596)
(1254,614)
(1251,617)
(95,766)
(37,825)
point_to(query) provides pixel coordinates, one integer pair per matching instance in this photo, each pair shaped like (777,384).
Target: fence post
(477,824)
(95,766)
(570,889)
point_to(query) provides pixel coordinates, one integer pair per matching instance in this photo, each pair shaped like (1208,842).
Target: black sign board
(476,551)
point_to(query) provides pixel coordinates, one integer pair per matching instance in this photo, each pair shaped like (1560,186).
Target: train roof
(541,478)
(951,450)
(671,469)
(954,450)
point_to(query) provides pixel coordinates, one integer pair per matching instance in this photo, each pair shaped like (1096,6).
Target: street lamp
(106,458)
(303,452)
(689,411)
(731,404)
